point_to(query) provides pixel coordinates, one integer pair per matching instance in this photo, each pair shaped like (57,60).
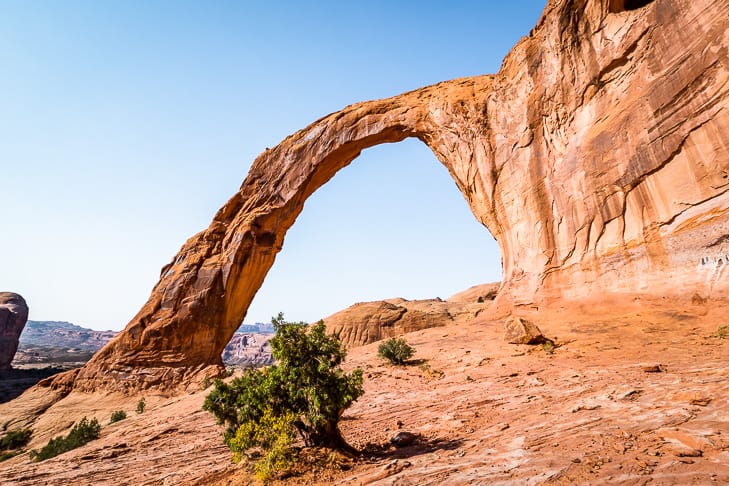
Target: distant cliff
(43,341)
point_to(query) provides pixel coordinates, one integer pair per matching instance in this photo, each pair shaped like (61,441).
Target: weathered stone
(403,439)
(13,316)
(367,322)
(521,331)
(597,157)
(477,294)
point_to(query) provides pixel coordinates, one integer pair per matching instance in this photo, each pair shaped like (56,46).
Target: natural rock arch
(204,293)
(597,158)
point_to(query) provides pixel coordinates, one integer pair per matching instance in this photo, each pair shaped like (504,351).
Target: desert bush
(274,434)
(12,441)
(15,439)
(83,432)
(722,332)
(304,391)
(117,415)
(395,350)
(141,405)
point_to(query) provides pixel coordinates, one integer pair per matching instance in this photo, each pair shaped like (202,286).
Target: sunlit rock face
(13,316)
(597,157)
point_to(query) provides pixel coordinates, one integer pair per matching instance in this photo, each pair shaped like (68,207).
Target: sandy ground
(636,393)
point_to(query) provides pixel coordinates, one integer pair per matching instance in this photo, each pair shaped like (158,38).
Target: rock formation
(597,157)
(13,316)
(367,322)
(477,293)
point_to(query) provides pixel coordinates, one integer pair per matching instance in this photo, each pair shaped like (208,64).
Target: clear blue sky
(124,126)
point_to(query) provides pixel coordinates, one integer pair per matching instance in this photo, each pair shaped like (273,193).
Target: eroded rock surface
(597,157)
(367,322)
(13,316)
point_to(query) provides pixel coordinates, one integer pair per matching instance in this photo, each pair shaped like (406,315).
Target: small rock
(700,401)
(658,368)
(403,439)
(521,331)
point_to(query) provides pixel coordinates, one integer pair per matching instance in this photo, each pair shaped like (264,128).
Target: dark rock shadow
(378,452)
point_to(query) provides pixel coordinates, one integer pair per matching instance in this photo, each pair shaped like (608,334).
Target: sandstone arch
(597,157)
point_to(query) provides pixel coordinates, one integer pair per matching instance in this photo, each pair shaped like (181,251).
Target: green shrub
(12,441)
(141,405)
(83,432)
(396,350)
(117,416)
(15,439)
(304,391)
(722,332)
(275,435)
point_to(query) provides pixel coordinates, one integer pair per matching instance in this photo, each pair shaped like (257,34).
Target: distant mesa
(13,316)
(597,157)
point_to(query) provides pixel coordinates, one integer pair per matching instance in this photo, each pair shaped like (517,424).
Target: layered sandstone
(597,157)
(367,322)
(13,316)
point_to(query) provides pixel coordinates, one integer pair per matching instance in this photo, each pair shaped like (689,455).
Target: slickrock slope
(597,157)
(367,322)
(596,411)
(13,316)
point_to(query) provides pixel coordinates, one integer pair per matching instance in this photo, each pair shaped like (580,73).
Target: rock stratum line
(597,157)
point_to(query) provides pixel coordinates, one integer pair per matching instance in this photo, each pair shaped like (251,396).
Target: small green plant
(117,415)
(548,346)
(274,434)
(430,372)
(396,350)
(11,442)
(722,332)
(15,439)
(83,432)
(304,391)
(141,405)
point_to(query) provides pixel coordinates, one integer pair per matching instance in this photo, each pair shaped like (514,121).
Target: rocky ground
(635,393)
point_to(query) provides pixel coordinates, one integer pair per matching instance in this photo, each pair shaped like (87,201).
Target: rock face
(13,316)
(597,157)
(367,322)
(477,293)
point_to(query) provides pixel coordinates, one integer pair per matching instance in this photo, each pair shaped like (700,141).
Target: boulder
(521,331)
(13,316)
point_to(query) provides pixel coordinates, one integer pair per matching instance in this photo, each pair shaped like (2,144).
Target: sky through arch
(391,224)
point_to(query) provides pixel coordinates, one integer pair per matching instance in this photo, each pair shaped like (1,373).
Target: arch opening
(391,224)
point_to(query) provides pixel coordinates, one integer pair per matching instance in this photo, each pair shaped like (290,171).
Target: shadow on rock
(378,452)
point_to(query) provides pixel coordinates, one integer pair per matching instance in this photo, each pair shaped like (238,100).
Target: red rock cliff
(598,157)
